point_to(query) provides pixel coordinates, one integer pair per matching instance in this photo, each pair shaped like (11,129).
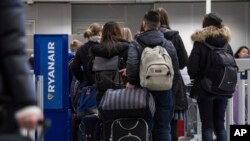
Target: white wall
(235,16)
(53,18)
(129,15)
(186,17)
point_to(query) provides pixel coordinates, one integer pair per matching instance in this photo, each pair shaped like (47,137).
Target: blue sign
(51,62)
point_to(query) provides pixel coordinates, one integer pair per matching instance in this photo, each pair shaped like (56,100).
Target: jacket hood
(168,33)
(151,38)
(211,32)
(95,39)
(102,49)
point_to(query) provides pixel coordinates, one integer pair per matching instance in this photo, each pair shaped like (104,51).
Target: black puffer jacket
(16,89)
(150,38)
(214,36)
(175,38)
(80,65)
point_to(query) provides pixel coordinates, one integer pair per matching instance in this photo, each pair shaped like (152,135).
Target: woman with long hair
(179,90)
(112,44)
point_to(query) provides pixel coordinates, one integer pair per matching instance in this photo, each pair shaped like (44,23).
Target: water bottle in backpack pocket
(221,71)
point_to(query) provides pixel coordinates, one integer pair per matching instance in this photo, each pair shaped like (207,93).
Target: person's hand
(28,117)
(130,86)
(123,71)
(29,121)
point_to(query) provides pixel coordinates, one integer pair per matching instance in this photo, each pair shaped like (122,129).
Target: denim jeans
(164,103)
(212,113)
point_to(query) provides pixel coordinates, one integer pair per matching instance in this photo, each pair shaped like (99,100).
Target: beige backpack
(156,70)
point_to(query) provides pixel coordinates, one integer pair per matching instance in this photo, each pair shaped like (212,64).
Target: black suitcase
(134,129)
(88,128)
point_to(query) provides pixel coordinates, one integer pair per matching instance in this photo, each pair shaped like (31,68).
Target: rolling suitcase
(88,128)
(134,129)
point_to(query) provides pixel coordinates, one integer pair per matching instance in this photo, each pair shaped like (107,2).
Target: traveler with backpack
(212,66)
(148,52)
(179,91)
(112,44)
(80,65)
(83,96)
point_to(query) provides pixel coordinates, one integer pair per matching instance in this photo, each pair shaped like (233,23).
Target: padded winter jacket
(16,89)
(214,36)
(80,63)
(150,38)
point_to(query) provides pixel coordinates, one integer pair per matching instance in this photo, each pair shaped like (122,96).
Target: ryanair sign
(51,62)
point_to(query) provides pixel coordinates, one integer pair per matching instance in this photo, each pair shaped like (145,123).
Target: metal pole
(241,100)
(248,97)
(208,6)
(229,116)
(40,99)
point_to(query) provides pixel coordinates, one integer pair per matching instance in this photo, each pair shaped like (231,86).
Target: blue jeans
(212,113)
(164,102)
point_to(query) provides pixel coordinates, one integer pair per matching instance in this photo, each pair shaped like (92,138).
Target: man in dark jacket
(17,96)
(163,99)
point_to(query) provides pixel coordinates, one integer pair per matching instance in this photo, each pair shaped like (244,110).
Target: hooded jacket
(175,38)
(180,94)
(214,36)
(150,38)
(81,62)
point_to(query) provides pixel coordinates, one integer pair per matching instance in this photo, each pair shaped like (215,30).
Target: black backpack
(107,74)
(220,75)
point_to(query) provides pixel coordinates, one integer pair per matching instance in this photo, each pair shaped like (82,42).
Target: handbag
(127,103)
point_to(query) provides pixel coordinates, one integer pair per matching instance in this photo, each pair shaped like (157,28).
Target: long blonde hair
(126,34)
(74,45)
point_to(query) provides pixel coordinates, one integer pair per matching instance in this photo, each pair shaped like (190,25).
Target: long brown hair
(164,18)
(111,32)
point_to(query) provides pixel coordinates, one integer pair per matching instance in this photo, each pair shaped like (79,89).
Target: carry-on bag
(88,128)
(129,130)
(86,104)
(126,103)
